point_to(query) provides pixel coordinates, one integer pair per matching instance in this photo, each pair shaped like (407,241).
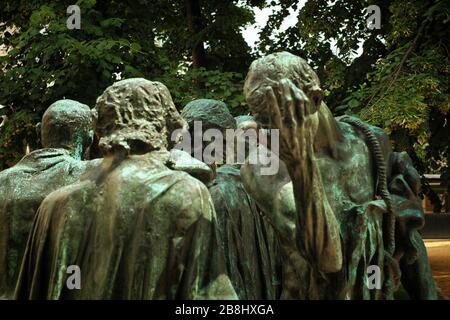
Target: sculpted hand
(291,111)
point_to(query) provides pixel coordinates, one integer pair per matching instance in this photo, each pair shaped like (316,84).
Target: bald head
(212,113)
(67,124)
(246,122)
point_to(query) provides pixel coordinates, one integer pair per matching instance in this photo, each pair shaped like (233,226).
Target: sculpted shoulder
(189,193)
(188,202)
(381,135)
(152,182)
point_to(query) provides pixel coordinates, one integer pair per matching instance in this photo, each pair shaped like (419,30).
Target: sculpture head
(136,115)
(68,124)
(268,71)
(246,122)
(213,115)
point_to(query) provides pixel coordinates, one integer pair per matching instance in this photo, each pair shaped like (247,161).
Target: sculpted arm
(317,230)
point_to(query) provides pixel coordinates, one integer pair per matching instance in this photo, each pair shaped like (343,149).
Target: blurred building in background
(435,182)
(437,224)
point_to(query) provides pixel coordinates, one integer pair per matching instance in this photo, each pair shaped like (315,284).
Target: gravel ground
(439,255)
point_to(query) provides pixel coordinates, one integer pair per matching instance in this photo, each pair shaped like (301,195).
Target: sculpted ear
(38,128)
(94,117)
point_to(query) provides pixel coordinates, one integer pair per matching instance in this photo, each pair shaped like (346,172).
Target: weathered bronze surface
(249,243)
(151,222)
(66,133)
(136,228)
(351,203)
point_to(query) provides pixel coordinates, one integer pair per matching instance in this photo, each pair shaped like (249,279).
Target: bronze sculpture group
(150,222)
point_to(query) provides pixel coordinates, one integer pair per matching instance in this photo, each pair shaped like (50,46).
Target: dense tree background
(398,79)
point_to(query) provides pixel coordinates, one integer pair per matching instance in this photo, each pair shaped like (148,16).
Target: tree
(195,26)
(408,92)
(117,39)
(399,81)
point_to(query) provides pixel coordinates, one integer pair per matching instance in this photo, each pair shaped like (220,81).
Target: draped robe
(22,189)
(135,228)
(349,182)
(250,246)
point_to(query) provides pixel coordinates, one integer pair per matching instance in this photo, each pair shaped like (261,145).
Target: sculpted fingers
(303,104)
(276,117)
(288,103)
(274,109)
